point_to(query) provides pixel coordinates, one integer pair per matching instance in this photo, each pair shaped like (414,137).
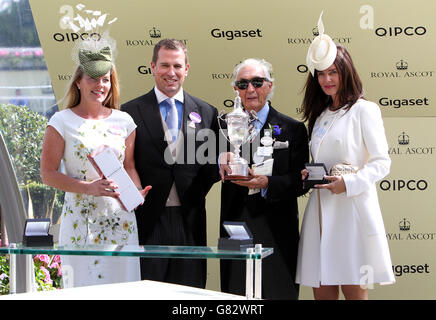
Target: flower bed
(21,59)
(48,274)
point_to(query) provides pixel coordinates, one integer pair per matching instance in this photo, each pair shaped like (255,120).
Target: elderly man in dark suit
(267,202)
(168,120)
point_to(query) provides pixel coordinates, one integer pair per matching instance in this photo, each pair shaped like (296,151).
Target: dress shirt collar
(160,96)
(262,115)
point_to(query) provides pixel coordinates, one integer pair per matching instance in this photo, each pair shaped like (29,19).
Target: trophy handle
(220,117)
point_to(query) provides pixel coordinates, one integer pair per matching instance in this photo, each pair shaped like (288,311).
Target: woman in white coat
(343,242)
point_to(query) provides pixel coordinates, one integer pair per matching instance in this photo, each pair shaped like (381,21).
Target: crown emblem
(403,139)
(154,33)
(402,65)
(315,31)
(404,225)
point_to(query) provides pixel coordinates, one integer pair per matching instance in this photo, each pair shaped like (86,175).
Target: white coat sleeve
(374,140)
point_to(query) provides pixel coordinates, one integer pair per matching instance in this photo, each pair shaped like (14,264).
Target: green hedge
(23,131)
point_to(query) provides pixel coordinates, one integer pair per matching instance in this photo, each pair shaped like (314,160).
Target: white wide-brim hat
(322,51)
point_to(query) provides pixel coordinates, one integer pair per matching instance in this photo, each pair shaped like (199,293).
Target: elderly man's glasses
(256,82)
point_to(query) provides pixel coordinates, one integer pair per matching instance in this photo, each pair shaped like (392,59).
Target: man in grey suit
(174,212)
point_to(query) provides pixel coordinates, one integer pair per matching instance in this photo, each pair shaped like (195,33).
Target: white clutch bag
(340,169)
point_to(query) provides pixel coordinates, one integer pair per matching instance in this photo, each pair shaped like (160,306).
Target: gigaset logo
(144,70)
(400,270)
(398,31)
(398,103)
(232,34)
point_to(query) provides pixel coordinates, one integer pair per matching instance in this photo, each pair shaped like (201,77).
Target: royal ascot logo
(307,40)
(217,33)
(400,31)
(221,76)
(82,22)
(404,225)
(401,70)
(403,139)
(152,35)
(403,147)
(227,76)
(405,232)
(64,77)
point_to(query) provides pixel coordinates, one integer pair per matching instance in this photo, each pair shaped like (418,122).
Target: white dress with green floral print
(92,220)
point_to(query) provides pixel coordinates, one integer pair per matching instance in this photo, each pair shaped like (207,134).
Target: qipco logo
(228,103)
(398,185)
(71,37)
(399,31)
(302,68)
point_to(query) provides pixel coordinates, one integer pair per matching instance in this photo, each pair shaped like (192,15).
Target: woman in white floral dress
(91,214)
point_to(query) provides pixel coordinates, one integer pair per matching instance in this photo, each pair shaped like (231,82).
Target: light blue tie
(172,119)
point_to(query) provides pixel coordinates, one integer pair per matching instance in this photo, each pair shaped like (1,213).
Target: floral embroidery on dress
(92,220)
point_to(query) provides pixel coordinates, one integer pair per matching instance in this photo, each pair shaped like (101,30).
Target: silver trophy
(239,131)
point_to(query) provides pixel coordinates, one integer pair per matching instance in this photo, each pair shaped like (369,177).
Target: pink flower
(47,278)
(3,275)
(43,258)
(114,129)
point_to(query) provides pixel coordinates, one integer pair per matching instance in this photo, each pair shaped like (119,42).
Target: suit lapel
(188,107)
(272,119)
(152,118)
(189,129)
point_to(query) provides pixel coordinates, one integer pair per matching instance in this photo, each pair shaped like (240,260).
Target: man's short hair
(171,44)
(265,65)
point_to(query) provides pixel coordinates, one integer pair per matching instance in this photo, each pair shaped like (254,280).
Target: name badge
(264,151)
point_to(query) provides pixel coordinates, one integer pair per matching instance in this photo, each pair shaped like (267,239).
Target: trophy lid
(238,111)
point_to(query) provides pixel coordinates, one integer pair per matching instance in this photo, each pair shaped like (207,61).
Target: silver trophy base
(239,172)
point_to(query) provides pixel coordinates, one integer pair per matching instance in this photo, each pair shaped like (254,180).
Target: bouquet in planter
(4,274)
(48,274)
